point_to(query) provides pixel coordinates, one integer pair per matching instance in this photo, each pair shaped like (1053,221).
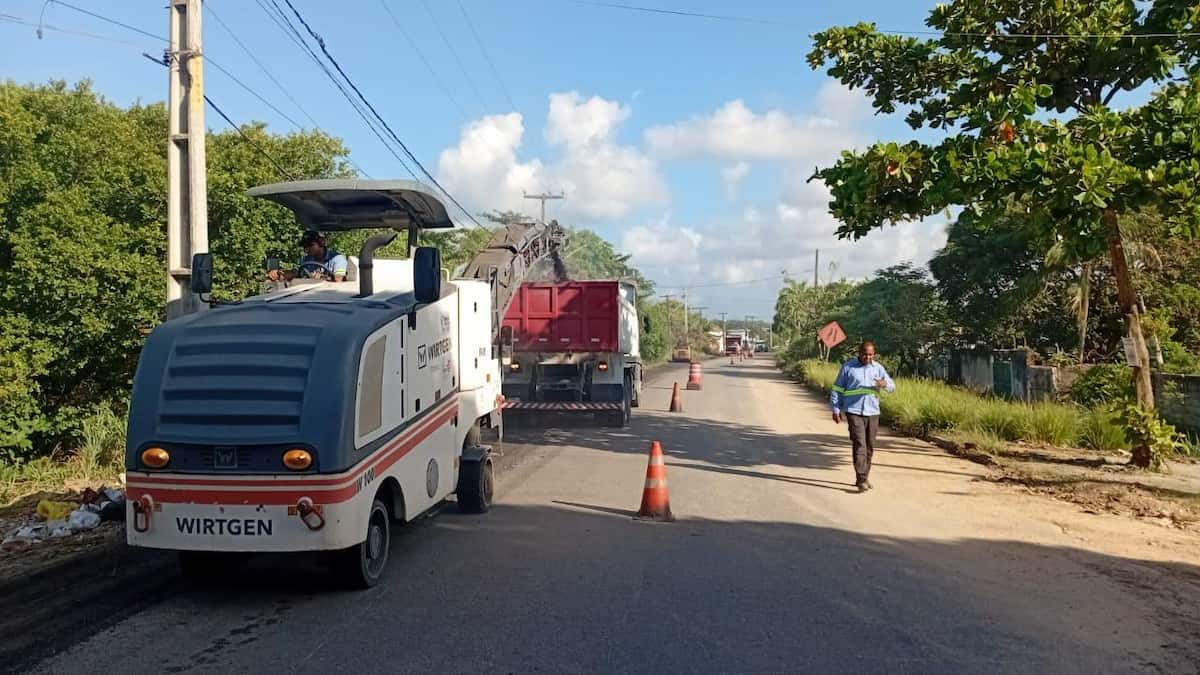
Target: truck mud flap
(567,415)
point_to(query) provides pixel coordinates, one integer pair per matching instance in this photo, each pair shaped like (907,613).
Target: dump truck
(316,415)
(572,348)
(735,342)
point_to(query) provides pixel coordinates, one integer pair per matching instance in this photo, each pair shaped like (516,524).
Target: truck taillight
(603,367)
(515,366)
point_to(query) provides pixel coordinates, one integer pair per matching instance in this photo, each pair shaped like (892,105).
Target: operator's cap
(310,237)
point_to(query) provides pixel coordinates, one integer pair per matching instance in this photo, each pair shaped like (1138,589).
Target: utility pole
(701,311)
(187,177)
(686,334)
(817,269)
(542,198)
(724,330)
(668,298)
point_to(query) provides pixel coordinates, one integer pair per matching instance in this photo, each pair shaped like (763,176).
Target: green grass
(1101,430)
(99,460)
(920,407)
(981,440)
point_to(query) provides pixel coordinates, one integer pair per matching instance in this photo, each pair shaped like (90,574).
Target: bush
(1104,385)
(1054,424)
(1153,440)
(1101,430)
(103,450)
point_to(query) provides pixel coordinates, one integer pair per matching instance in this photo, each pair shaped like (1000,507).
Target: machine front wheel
(362,565)
(476,486)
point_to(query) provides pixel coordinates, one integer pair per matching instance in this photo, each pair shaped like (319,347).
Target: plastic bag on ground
(83,520)
(48,509)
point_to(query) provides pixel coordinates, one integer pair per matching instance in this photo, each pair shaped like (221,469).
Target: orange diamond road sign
(831,334)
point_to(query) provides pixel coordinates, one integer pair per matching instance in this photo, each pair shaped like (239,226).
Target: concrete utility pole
(187,177)
(686,335)
(668,298)
(817,269)
(724,330)
(542,198)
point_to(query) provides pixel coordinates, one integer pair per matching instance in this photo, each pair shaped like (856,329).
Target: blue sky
(686,142)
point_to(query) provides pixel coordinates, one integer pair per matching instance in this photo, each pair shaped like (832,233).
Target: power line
(45,26)
(253,93)
(258,148)
(216,65)
(249,52)
(266,71)
(412,43)
(454,53)
(730,283)
(103,18)
(933,33)
(684,13)
(486,55)
(320,41)
(285,23)
(282,171)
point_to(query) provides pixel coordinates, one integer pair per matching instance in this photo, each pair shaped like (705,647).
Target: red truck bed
(575,316)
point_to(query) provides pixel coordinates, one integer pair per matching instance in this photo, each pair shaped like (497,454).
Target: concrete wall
(975,369)
(1043,383)
(1178,399)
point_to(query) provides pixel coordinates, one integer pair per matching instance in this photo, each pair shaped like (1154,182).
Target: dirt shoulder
(1105,484)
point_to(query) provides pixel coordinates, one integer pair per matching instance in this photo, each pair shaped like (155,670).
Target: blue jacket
(854,389)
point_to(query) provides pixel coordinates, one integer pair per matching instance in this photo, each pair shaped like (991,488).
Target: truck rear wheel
(476,486)
(635,399)
(621,418)
(362,565)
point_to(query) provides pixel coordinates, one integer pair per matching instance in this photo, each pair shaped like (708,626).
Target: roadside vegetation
(923,408)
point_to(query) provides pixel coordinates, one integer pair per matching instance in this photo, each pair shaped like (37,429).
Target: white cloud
(577,123)
(602,178)
(663,244)
(842,103)
(763,242)
(483,169)
(733,175)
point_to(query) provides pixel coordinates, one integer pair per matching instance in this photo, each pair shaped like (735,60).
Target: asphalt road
(774,565)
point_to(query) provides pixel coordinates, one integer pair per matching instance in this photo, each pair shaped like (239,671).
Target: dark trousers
(863,430)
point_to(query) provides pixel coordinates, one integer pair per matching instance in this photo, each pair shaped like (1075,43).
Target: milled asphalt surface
(773,566)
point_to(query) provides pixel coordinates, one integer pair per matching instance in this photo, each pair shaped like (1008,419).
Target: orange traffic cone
(656,504)
(676,402)
(694,376)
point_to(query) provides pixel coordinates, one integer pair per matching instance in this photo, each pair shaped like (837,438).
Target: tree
(900,311)
(83,245)
(801,310)
(994,83)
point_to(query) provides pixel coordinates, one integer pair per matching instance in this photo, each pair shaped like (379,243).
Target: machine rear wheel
(476,486)
(362,565)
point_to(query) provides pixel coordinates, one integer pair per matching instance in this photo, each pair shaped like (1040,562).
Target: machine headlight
(297,459)
(155,458)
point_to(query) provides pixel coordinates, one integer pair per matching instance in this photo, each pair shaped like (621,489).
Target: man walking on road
(856,395)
